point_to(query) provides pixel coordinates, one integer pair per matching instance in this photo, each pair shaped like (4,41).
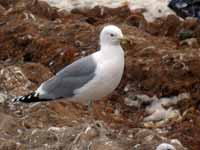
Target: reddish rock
(190,23)
(36,73)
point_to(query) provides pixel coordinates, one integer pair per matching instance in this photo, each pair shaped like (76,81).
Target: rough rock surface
(37,41)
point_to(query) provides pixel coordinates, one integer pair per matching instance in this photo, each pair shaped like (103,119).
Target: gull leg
(90,106)
(91,110)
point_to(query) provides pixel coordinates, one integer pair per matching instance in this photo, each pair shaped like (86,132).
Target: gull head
(111,35)
(165,146)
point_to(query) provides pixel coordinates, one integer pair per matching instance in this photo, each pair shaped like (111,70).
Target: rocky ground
(156,102)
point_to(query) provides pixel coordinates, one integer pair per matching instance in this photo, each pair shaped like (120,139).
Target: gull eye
(112,35)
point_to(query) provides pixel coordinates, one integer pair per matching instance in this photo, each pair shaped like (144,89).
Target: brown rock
(14,81)
(137,20)
(23,78)
(106,145)
(8,124)
(6,144)
(2,10)
(42,9)
(191,42)
(168,26)
(190,23)
(171,26)
(36,73)
(6,3)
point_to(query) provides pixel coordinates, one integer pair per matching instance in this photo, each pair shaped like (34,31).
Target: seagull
(89,78)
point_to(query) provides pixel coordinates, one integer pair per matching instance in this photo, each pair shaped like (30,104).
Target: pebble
(3,98)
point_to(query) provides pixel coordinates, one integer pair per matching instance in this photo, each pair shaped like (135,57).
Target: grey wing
(72,77)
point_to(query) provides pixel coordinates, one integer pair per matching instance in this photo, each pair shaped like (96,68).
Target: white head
(110,35)
(165,146)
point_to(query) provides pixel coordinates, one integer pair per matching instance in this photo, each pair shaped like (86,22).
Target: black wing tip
(32,97)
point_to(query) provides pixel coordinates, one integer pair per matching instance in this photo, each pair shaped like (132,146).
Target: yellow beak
(124,40)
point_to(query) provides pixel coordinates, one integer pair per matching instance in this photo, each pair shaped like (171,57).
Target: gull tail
(30,98)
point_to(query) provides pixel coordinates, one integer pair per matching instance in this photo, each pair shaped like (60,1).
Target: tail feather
(30,98)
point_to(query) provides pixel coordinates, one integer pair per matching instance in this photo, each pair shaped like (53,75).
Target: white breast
(108,76)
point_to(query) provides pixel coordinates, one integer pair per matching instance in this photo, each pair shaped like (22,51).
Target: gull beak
(124,40)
